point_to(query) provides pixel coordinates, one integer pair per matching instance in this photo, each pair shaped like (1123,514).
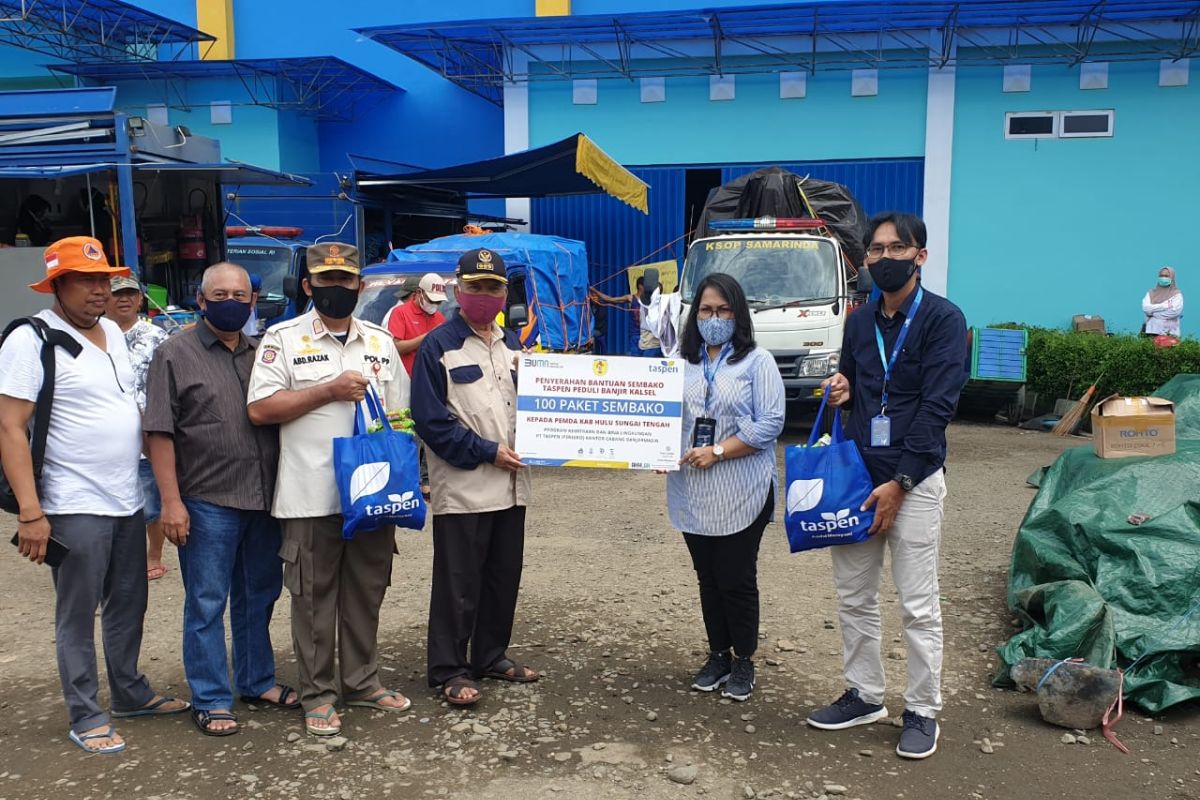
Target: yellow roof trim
(598,167)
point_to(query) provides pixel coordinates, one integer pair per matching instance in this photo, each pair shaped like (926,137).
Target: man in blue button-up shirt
(903,365)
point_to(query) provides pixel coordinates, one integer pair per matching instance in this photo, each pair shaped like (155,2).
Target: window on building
(1086,124)
(1030,125)
(1058,124)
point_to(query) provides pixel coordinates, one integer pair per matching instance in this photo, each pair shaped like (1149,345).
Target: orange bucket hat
(74,254)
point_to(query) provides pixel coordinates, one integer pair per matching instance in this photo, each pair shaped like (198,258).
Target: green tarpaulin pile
(1088,583)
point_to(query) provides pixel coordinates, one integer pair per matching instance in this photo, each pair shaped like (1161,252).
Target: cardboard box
(1133,426)
(1087,323)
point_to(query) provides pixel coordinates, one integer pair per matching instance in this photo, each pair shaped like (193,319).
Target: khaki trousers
(337,586)
(914,539)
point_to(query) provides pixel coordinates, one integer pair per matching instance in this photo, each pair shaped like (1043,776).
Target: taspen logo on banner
(667,367)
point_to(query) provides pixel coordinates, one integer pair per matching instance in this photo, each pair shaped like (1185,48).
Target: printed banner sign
(596,411)
(668,275)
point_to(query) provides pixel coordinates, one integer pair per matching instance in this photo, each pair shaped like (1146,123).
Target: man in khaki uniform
(308,375)
(465,410)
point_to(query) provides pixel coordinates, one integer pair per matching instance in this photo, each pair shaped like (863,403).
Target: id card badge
(881,431)
(705,433)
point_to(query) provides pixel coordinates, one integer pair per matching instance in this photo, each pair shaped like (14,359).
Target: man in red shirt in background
(409,321)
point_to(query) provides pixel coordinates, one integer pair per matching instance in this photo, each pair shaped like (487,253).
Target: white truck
(800,286)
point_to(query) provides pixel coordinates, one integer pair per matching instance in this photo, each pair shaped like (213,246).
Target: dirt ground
(609,610)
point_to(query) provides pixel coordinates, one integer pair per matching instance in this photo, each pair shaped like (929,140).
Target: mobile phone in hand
(56,551)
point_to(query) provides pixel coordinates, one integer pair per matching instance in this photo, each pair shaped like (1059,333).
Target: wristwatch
(719,452)
(907,482)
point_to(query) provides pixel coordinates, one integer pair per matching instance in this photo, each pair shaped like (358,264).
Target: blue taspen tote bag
(826,487)
(378,474)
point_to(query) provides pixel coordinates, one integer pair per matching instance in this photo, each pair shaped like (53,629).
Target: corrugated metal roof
(481,55)
(328,86)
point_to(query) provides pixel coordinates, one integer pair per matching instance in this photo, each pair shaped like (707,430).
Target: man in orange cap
(89,497)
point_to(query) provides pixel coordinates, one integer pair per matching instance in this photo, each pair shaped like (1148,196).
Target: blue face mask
(1164,282)
(227,315)
(716,331)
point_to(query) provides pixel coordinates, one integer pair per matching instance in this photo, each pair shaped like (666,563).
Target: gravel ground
(609,610)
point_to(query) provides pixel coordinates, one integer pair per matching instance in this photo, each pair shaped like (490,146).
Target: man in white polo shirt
(89,497)
(308,375)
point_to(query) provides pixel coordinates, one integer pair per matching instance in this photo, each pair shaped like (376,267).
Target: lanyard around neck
(710,371)
(889,364)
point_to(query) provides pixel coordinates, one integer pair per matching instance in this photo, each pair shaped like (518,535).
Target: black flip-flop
(501,668)
(285,690)
(201,718)
(452,691)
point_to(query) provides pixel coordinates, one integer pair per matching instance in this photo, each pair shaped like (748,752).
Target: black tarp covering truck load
(775,192)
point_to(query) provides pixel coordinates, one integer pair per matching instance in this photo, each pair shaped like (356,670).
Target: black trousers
(727,568)
(477,561)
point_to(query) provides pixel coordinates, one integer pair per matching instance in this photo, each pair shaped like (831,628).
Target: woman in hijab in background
(1163,306)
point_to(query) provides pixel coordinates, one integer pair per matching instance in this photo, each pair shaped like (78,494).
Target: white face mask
(426,306)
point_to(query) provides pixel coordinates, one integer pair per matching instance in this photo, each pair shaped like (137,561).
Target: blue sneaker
(919,738)
(846,712)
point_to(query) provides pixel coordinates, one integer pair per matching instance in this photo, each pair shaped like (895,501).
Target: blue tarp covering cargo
(555,272)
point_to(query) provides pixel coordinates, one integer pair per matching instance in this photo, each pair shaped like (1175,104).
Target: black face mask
(890,274)
(335,302)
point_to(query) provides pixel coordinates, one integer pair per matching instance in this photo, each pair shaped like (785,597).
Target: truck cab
(800,287)
(273,254)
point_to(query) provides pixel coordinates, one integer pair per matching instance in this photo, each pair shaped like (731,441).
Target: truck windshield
(267,261)
(771,270)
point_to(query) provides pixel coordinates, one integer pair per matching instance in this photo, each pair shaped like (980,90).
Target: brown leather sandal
(508,670)
(453,690)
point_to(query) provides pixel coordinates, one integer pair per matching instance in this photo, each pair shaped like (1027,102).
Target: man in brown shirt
(216,473)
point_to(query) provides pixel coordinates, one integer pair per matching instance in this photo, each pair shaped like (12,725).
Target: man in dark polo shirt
(216,474)
(904,363)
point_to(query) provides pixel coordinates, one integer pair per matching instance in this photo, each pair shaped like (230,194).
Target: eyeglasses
(706,312)
(893,250)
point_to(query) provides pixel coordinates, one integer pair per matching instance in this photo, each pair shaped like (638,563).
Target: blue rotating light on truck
(768,224)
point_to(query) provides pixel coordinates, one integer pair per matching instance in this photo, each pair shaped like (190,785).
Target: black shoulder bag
(51,339)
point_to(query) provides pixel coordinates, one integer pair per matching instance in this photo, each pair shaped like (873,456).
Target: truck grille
(788,364)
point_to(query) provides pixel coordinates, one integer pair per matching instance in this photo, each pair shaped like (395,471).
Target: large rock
(1076,695)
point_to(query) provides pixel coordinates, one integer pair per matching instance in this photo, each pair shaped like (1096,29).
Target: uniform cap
(333,256)
(480,265)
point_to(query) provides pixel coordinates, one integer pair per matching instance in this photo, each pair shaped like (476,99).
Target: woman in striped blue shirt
(723,495)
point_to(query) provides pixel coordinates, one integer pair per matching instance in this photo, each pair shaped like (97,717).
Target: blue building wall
(433,123)
(256,135)
(1044,229)
(757,126)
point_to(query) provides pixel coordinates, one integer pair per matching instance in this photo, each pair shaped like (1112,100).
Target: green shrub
(1064,364)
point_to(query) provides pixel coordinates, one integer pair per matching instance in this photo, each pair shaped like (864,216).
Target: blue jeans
(234,555)
(153,507)
(654,352)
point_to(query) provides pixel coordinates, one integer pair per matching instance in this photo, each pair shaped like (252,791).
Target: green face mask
(1164,282)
